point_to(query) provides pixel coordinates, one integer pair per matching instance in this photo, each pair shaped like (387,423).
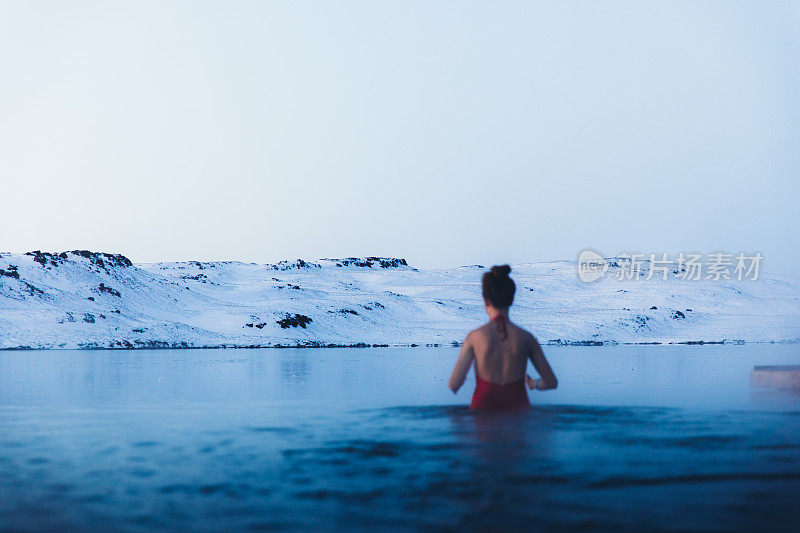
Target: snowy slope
(87,299)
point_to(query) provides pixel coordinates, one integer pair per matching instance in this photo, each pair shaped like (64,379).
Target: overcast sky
(447,133)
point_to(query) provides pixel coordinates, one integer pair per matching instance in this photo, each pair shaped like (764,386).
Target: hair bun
(501,271)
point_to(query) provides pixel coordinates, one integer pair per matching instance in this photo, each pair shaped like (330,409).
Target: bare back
(500,360)
(497,360)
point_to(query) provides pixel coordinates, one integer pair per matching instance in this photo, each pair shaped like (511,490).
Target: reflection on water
(636,438)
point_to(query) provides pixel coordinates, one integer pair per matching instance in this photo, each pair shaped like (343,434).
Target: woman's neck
(494,313)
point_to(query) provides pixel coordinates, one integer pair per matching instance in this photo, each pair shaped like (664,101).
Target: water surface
(635,438)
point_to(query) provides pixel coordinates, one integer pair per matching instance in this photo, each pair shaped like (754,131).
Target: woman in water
(500,351)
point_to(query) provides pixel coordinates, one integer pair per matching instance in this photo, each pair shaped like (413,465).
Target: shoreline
(163,345)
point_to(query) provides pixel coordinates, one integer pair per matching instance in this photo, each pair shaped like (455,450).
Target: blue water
(636,438)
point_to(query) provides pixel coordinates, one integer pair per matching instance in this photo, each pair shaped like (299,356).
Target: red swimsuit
(496,397)
(491,396)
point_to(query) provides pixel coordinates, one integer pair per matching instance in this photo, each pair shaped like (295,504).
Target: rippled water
(636,438)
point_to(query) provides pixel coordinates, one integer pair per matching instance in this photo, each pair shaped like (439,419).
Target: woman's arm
(548,378)
(465,360)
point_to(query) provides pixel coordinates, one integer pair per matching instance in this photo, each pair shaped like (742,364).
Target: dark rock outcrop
(108,290)
(293,321)
(100,259)
(11,272)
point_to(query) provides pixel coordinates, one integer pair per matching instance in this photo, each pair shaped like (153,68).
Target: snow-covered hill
(86,299)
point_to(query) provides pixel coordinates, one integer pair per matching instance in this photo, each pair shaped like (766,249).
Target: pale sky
(447,133)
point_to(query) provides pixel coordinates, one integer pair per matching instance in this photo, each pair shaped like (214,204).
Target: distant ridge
(85,299)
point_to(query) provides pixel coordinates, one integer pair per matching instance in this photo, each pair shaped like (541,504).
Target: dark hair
(498,288)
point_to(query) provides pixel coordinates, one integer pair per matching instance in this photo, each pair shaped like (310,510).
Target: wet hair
(498,289)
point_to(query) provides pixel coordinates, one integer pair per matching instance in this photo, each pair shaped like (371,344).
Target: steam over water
(635,438)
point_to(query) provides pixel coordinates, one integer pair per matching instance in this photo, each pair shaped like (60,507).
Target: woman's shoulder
(527,335)
(479,332)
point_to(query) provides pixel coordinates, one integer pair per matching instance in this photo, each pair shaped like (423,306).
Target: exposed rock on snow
(83,299)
